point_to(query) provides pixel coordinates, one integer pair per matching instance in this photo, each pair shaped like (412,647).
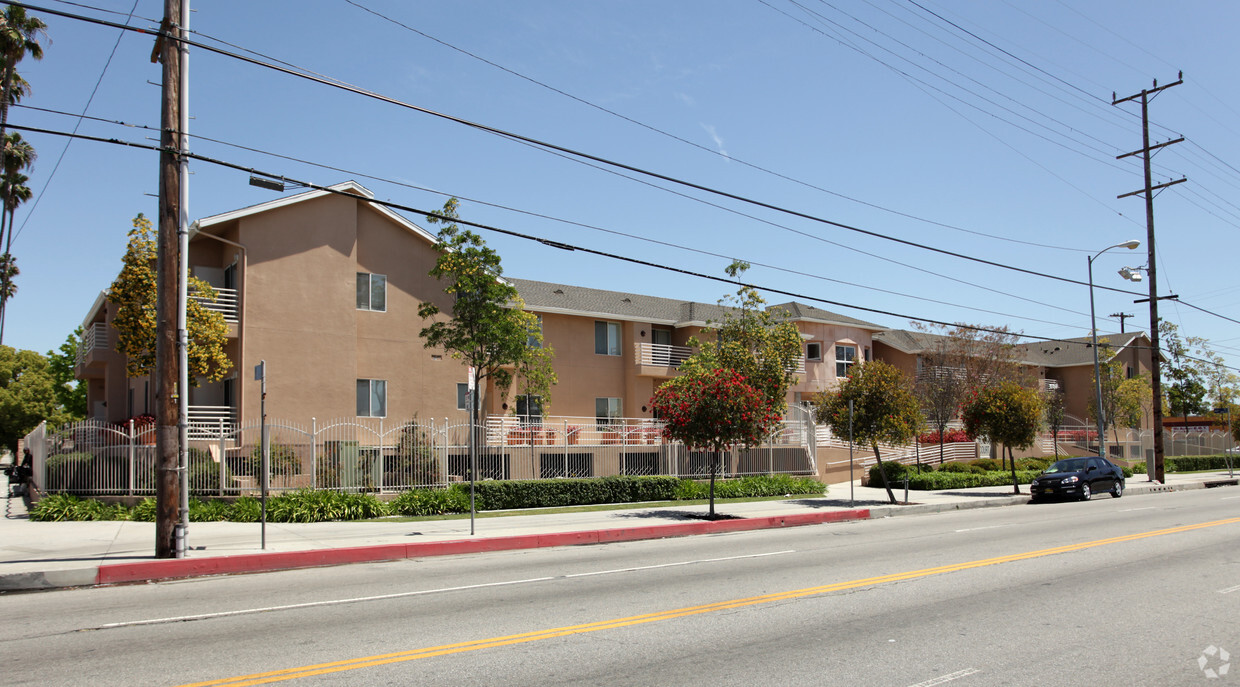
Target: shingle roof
(1062,353)
(542,296)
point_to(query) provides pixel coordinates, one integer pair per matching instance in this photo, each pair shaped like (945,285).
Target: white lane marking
(947,678)
(423,592)
(986,527)
(1228,498)
(673,565)
(1129,510)
(1230,590)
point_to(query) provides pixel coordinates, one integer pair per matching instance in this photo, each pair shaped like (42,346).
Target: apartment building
(324,288)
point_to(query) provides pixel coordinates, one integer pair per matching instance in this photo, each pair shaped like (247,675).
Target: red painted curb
(165,569)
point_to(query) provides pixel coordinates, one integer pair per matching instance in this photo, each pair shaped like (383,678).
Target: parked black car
(1078,478)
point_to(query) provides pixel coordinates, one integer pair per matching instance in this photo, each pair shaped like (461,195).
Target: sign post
(260,375)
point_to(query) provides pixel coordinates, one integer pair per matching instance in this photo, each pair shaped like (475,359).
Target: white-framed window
(529,409)
(607,338)
(372,398)
(536,341)
(813,351)
(371,292)
(608,410)
(462,396)
(845,357)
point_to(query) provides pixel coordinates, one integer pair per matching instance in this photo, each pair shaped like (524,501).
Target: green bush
(962,468)
(1191,463)
(454,499)
(144,511)
(208,511)
(895,472)
(1038,464)
(64,507)
(986,464)
(306,505)
(246,509)
(965,480)
(415,462)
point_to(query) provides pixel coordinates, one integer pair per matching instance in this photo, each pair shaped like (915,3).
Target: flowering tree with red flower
(884,409)
(714,410)
(1005,413)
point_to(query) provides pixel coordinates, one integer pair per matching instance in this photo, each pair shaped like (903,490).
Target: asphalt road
(1129,591)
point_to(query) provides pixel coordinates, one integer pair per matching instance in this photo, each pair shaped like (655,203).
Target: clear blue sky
(875,114)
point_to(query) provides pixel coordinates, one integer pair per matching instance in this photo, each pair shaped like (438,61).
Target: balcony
(95,341)
(225,303)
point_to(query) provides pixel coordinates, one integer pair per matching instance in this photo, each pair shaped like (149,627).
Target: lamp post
(1093,332)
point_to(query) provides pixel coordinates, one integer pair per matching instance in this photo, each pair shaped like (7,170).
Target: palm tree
(15,192)
(19,35)
(17,155)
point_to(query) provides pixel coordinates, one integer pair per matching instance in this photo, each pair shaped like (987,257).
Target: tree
(1134,398)
(19,36)
(885,409)
(714,410)
(489,330)
(759,344)
(70,394)
(27,394)
(1007,414)
(14,191)
(134,294)
(1186,389)
(957,360)
(1053,409)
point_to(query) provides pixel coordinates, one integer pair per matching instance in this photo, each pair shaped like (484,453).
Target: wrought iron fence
(361,454)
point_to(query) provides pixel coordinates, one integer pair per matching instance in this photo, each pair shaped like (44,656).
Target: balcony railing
(225,302)
(94,338)
(663,355)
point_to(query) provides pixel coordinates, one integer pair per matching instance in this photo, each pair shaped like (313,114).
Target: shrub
(895,472)
(951,436)
(282,460)
(986,464)
(144,511)
(415,462)
(965,480)
(63,507)
(208,511)
(1038,464)
(958,467)
(246,509)
(204,472)
(306,505)
(454,499)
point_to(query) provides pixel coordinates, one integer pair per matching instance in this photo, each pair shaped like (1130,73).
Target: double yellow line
(446,649)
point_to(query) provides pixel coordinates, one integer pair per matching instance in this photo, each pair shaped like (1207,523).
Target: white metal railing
(225,302)
(376,454)
(662,354)
(94,338)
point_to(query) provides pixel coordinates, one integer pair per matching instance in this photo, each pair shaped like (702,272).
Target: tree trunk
(883,471)
(1012,460)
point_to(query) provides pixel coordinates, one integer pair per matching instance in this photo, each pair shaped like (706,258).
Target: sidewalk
(48,555)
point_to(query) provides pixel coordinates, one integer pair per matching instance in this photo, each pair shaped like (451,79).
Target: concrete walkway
(48,555)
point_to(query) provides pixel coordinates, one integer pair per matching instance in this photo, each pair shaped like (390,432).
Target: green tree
(27,394)
(1054,407)
(759,344)
(885,409)
(489,329)
(19,36)
(714,410)
(1184,381)
(70,394)
(1134,398)
(1007,414)
(134,295)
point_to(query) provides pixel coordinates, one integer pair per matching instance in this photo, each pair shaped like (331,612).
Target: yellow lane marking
(508,640)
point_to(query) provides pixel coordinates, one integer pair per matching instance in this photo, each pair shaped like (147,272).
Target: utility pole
(1122,316)
(1154,468)
(168,266)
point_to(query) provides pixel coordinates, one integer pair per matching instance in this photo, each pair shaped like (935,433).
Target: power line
(555,147)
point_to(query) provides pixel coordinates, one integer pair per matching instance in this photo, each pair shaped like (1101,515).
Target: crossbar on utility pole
(1153,468)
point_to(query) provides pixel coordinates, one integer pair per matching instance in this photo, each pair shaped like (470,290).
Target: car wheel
(1117,490)
(1085,494)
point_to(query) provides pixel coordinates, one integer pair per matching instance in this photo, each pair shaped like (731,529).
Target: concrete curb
(182,568)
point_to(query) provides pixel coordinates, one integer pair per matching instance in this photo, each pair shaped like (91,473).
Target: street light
(1093,331)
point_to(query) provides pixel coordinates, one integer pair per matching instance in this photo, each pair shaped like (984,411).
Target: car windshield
(1071,465)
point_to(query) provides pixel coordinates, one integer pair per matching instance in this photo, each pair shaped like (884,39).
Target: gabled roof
(1061,353)
(618,305)
(350,187)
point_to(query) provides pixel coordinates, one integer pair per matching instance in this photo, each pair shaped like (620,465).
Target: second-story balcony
(225,303)
(661,356)
(94,341)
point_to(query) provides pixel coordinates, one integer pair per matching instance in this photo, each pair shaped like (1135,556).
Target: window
(371,398)
(529,409)
(535,341)
(608,410)
(845,356)
(607,338)
(462,396)
(371,292)
(813,351)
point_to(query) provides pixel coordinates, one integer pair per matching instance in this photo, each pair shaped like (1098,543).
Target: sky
(926,128)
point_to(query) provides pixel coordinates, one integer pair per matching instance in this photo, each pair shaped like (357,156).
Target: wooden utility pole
(167,373)
(1154,468)
(1122,316)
